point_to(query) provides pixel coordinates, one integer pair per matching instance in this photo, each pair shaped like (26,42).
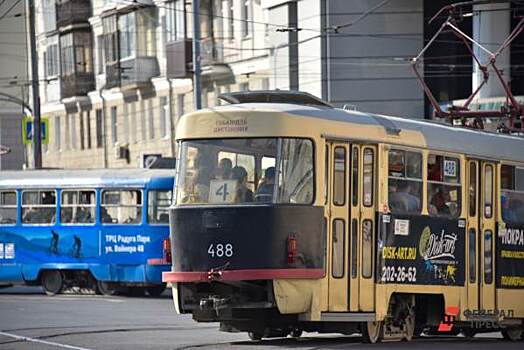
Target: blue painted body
(111,252)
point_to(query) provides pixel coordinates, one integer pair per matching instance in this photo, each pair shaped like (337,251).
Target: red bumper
(242,275)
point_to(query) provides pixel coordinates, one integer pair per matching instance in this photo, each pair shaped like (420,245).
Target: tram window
(338,251)
(339,176)
(405,182)
(512,194)
(158,207)
(354,248)
(296,172)
(8,204)
(39,207)
(488,191)
(472,189)
(472,255)
(488,257)
(121,207)
(289,180)
(444,186)
(326,175)
(354,185)
(367,179)
(78,207)
(367,248)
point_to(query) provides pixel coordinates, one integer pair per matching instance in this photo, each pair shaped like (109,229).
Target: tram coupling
(213,303)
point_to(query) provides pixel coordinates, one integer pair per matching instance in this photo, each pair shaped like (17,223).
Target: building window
(125,127)
(151,118)
(100,54)
(49,11)
(133,125)
(127,31)
(180,105)
(165,117)
(82,131)
(245,16)
(114,129)
(76,55)
(243,86)
(52,62)
(175,15)
(228,19)
(88,129)
(72,130)
(110,39)
(143,117)
(58,134)
(99,135)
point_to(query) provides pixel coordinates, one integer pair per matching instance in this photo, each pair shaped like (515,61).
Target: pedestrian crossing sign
(27,130)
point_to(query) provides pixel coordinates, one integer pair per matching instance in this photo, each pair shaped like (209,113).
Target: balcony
(131,73)
(69,12)
(78,84)
(179,57)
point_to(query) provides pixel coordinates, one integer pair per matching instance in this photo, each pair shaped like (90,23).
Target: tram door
(351,216)
(472,234)
(338,219)
(487,214)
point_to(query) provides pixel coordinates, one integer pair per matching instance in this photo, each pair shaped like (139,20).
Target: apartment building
(118,73)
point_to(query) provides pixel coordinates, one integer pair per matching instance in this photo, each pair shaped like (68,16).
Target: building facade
(13,84)
(117,73)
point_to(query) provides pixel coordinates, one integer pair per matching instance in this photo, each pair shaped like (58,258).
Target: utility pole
(37,136)
(196,55)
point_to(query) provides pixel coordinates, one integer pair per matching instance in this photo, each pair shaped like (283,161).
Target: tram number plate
(399,274)
(220,250)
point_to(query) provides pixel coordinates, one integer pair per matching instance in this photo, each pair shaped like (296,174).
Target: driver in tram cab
(243,194)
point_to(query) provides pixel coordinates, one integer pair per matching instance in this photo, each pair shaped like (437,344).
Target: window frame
(458,184)
(148,221)
(15,206)
(102,205)
(336,185)
(62,205)
(406,178)
(373,170)
(490,189)
(503,191)
(22,206)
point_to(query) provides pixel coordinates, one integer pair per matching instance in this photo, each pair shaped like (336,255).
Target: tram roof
(438,136)
(87,178)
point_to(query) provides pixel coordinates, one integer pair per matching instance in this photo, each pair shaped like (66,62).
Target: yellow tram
(292,215)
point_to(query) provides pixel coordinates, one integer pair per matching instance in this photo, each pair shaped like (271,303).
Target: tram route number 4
(220,250)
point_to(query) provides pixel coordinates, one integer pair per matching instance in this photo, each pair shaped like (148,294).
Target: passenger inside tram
(266,186)
(243,194)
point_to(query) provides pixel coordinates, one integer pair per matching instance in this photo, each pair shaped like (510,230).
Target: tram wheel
(372,331)
(512,334)
(255,335)
(156,291)
(105,288)
(469,333)
(296,333)
(52,281)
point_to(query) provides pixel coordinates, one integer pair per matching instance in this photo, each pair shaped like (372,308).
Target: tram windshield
(246,171)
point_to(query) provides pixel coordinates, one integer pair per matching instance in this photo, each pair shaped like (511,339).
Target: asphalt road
(31,320)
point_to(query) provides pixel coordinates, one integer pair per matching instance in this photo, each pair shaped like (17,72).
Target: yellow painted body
(311,298)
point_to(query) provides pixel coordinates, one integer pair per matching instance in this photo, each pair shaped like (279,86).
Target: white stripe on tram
(33,340)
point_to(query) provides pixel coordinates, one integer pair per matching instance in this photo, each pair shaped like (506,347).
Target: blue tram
(106,230)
